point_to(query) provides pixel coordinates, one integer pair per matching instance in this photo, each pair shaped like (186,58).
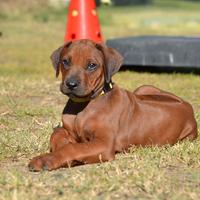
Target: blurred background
(27,25)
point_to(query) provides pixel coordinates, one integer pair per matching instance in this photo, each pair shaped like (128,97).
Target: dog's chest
(68,122)
(78,127)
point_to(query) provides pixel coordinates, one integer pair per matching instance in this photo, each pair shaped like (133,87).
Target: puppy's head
(85,67)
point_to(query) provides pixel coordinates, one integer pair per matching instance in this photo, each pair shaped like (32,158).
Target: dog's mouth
(75,94)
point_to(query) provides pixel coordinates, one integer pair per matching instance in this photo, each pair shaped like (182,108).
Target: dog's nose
(71,84)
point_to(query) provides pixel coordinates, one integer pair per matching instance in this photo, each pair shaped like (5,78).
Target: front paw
(43,162)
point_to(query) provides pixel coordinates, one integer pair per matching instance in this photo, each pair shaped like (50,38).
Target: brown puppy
(101,119)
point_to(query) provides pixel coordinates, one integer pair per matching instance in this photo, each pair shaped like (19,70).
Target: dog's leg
(91,152)
(59,138)
(190,131)
(153,92)
(147,89)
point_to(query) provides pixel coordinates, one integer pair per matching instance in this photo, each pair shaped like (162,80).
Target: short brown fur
(98,127)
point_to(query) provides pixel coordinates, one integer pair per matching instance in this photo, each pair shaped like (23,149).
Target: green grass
(31,104)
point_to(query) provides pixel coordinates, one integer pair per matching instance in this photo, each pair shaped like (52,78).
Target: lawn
(31,104)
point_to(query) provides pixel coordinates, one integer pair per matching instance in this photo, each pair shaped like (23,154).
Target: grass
(30,105)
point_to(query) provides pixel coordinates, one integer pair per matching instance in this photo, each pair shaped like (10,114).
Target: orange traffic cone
(83,21)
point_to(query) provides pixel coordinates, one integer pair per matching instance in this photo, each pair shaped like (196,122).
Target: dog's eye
(91,66)
(66,63)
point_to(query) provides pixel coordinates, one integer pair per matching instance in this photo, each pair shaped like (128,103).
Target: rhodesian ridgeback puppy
(101,119)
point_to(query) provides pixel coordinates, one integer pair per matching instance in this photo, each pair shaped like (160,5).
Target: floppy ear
(113,61)
(55,57)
